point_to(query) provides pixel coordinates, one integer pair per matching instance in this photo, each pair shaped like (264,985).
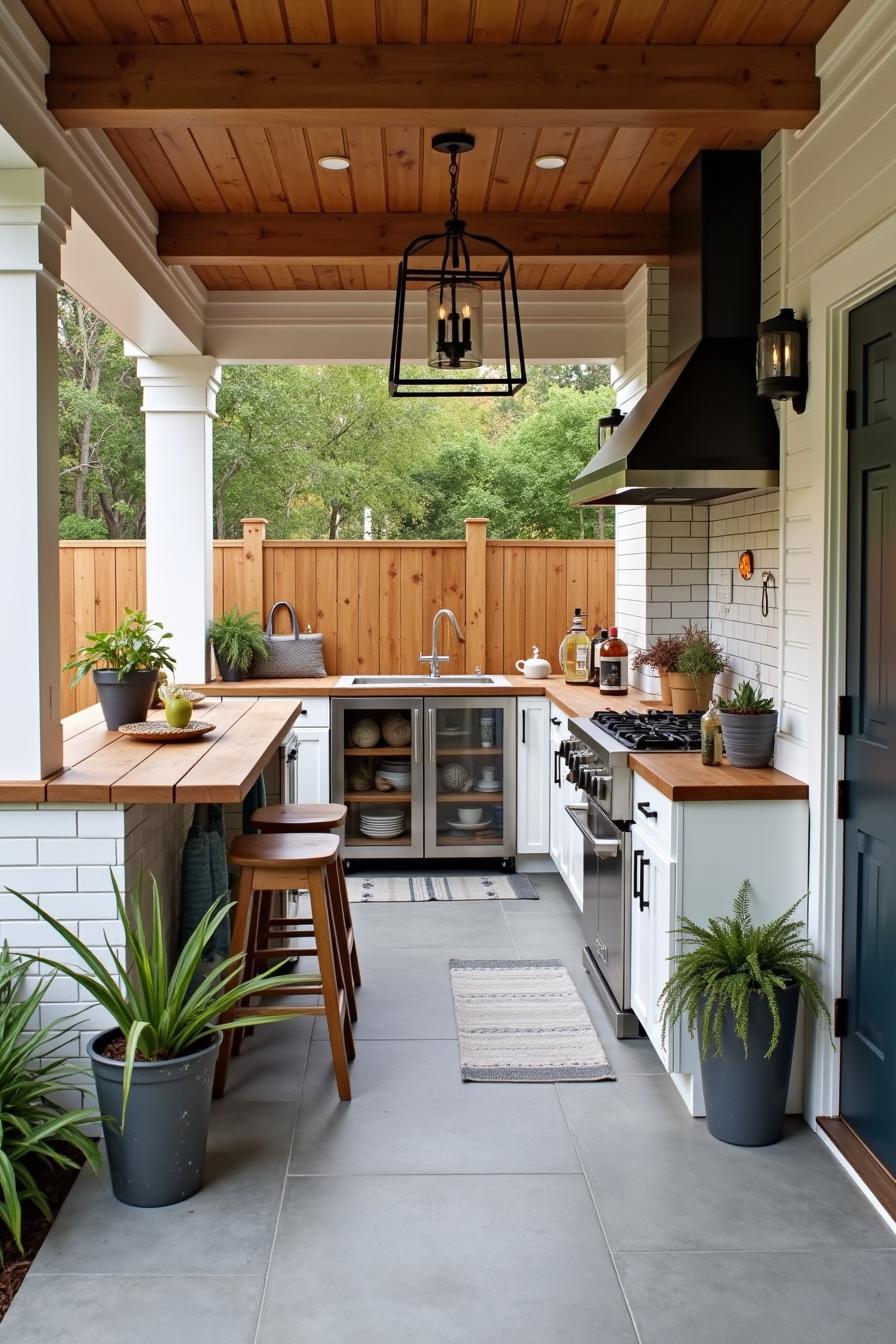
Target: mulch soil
(55,1183)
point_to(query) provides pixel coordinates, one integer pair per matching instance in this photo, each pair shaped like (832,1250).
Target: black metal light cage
(607,424)
(502,277)
(781,359)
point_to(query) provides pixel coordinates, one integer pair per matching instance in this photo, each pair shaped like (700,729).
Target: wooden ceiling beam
(366,239)
(760,88)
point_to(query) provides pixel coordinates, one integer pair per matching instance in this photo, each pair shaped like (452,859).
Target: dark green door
(868,1070)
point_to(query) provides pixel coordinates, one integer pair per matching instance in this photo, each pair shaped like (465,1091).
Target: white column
(34,216)
(179,393)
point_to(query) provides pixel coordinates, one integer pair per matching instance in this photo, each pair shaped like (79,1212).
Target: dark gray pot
(159,1157)
(745,1097)
(749,739)
(228,672)
(128,700)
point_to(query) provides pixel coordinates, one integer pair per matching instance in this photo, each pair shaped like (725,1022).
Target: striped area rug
(524,1022)
(441,887)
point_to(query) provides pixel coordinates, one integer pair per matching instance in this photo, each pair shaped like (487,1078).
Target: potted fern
(125,663)
(740,985)
(237,640)
(749,723)
(154,1067)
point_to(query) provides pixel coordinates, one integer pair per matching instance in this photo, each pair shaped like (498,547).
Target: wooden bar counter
(105,767)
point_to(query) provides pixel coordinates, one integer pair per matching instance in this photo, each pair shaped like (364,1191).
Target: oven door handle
(603,848)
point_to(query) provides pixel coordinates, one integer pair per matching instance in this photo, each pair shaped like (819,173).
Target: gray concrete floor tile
(478,924)
(661,1182)
(134,1309)
(271,1063)
(225,1229)
(410,1112)
(405,995)
(784,1298)
(437,1259)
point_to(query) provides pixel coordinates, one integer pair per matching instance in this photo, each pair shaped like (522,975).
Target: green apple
(178,709)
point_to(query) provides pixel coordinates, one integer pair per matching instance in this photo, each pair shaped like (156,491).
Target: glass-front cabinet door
(378,774)
(470,777)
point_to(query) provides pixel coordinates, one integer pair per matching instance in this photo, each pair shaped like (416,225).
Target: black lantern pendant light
(781,366)
(607,424)
(454,308)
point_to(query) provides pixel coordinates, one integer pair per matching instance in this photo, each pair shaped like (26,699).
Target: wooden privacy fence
(373,600)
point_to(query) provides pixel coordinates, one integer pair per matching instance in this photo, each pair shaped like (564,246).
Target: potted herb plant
(237,640)
(749,723)
(661,658)
(741,986)
(37,1134)
(125,663)
(154,1068)
(696,668)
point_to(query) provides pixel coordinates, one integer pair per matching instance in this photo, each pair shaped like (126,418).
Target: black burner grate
(655,730)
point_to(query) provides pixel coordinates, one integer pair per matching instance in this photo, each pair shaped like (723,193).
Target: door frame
(858,273)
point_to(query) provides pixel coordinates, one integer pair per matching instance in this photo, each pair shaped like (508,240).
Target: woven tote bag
(292,655)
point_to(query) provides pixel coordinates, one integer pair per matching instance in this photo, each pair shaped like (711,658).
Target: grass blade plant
(36,1132)
(161,1010)
(731,959)
(238,639)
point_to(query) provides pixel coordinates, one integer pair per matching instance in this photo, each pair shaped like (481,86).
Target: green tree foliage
(312,449)
(100,426)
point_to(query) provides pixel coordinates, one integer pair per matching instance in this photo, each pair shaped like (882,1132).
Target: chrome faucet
(435,657)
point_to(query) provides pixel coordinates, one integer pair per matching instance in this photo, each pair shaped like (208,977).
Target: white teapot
(535,667)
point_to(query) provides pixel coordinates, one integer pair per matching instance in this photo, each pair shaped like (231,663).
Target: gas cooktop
(654,730)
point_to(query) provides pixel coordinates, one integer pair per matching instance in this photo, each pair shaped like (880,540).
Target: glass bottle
(594,658)
(613,665)
(575,650)
(711,735)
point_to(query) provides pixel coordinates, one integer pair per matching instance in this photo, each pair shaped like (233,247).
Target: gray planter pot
(228,671)
(160,1155)
(749,739)
(128,700)
(746,1096)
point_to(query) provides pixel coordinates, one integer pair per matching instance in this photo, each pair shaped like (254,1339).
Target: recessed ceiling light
(335,162)
(551,161)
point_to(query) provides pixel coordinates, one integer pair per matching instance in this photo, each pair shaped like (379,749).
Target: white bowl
(469,815)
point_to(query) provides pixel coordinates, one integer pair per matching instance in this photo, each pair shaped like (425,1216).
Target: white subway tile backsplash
(77,851)
(31,821)
(37,879)
(18,851)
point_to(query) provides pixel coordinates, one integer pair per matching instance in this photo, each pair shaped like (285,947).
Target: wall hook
(767,578)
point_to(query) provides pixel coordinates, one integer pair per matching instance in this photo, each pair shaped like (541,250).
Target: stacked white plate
(382,824)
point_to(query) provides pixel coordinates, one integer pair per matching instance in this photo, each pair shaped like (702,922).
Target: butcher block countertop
(576,701)
(105,767)
(681,777)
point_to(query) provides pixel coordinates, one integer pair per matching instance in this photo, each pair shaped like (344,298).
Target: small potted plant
(741,987)
(125,663)
(154,1068)
(237,640)
(661,658)
(749,723)
(696,668)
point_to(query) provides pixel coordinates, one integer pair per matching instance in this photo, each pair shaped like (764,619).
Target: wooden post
(254,533)
(476,534)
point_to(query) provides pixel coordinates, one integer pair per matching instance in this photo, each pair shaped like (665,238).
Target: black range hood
(700,432)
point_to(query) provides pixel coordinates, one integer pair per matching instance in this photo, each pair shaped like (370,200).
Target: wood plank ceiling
(274,169)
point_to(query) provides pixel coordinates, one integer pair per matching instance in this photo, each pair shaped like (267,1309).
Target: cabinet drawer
(315,712)
(653,813)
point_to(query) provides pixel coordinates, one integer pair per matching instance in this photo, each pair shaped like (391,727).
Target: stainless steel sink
(416,680)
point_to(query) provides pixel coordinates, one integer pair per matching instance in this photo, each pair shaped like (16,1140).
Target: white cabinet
(651,937)
(566,842)
(689,859)
(306,755)
(533,763)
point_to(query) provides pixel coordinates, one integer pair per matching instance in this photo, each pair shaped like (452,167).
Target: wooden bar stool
(317,818)
(272,863)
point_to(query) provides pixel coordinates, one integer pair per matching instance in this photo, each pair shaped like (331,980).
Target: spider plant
(35,1131)
(164,1012)
(729,961)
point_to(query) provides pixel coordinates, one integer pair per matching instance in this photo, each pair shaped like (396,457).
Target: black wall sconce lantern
(454,304)
(607,424)
(782,370)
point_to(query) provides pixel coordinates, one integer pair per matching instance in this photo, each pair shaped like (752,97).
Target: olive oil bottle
(575,650)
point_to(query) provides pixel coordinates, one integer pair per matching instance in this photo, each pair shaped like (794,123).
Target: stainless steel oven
(606,911)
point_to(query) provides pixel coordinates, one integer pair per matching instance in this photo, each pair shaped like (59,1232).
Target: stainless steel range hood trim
(620,484)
